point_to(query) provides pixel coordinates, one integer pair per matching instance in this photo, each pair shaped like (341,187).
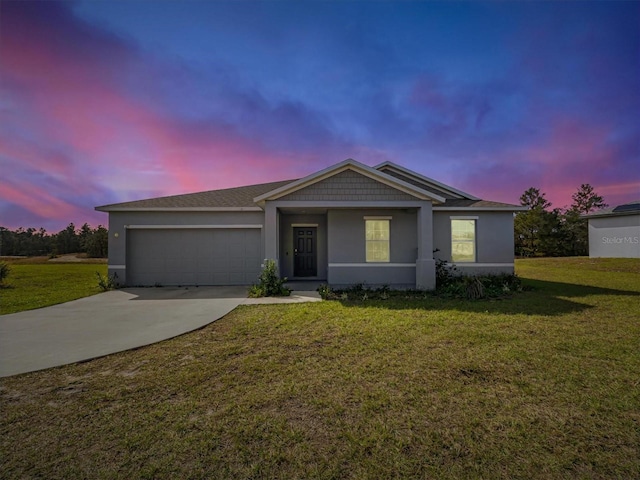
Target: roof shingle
(226,198)
(242,197)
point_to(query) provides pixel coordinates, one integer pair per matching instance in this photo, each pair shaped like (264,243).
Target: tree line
(32,242)
(559,232)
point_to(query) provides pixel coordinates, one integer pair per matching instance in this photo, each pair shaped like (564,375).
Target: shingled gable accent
(401,189)
(426,183)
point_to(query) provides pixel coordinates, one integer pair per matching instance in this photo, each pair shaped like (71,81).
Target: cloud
(131,101)
(84,124)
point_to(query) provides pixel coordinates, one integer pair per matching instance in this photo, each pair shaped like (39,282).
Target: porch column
(425,264)
(271,232)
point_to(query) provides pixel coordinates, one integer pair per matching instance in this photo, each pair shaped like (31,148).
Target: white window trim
(377,217)
(475,240)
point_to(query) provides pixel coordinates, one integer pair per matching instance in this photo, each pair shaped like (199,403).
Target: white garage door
(211,256)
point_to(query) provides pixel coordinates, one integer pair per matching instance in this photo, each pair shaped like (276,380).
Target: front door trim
(305,248)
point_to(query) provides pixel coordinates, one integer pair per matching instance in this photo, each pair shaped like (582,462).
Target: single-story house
(344,225)
(615,232)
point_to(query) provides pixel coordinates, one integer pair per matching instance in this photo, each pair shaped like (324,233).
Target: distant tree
(586,200)
(531,228)
(84,237)
(576,230)
(31,242)
(67,241)
(6,241)
(541,231)
(97,243)
(534,199)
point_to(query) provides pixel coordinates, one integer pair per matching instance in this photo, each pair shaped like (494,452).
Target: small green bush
(325,291)
(455,286)
(474,288)
(269,282)
(107,282)
(5,270)
(445,273)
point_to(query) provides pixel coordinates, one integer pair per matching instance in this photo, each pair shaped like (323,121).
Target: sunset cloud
(105,102)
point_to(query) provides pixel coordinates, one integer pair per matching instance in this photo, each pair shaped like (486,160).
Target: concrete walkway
(114,321)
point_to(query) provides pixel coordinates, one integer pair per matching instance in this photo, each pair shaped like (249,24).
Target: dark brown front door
(305,256)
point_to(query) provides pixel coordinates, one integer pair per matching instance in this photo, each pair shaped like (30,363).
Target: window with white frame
(463,240)
(377,239)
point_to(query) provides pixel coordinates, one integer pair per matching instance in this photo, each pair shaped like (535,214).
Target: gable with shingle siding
(345,186)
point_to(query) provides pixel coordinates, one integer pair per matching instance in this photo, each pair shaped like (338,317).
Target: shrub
(107,282)
(445,273)
(325,291)
(269,282)
(474,288)
(5,269)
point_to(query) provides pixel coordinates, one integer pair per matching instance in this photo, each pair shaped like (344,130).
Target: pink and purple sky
(103,102)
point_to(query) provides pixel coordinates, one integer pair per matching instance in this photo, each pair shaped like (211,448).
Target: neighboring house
(344,225)
(615,232)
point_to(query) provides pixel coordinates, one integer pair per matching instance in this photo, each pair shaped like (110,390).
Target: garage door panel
(193,256)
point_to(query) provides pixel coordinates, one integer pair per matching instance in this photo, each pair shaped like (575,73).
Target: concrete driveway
(107,323)
(115,321)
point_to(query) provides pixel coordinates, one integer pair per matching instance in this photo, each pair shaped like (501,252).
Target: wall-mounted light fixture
(116,234)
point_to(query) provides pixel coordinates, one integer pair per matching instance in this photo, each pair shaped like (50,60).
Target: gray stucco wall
(118,222)
(615,237)
(494,240)
(286,242)
(348,185)
(346,247)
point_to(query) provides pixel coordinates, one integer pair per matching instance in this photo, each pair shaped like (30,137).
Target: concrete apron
(113,322)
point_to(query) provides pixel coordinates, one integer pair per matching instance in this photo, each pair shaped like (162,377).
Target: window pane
(377,240)
(463,240)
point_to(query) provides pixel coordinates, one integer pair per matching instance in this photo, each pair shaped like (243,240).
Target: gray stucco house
(346,224)
(615,232)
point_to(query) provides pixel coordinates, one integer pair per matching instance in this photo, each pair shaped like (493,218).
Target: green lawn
(35,283)
(545,384)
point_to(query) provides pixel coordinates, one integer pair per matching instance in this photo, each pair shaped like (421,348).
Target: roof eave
(426,179)
(610,214)
(482,209)
(108,208)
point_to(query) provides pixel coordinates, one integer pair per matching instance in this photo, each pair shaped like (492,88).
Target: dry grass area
(545,384)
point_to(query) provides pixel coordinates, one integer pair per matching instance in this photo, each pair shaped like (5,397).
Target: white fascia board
(480,209)
(192,227)
(610,214)
(372,264)
(358,167)
(179,209)
(328,204)
(418,176)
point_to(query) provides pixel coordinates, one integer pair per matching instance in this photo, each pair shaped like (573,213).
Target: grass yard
(545,384)
(36,282)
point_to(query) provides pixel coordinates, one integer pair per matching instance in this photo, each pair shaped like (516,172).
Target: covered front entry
(196,256)
(330,245)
